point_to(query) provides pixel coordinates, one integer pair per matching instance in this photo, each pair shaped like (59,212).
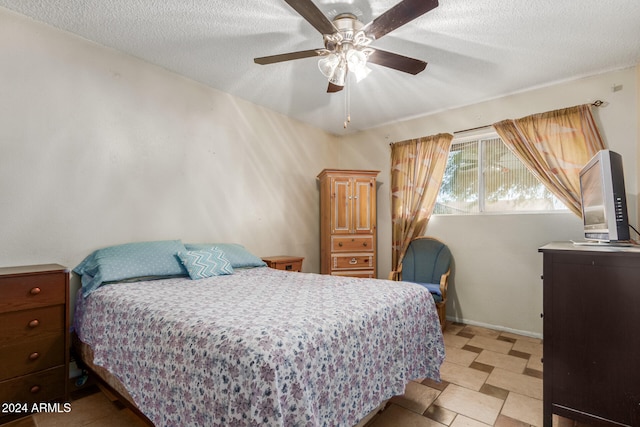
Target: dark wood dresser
(34,336)
(591,334)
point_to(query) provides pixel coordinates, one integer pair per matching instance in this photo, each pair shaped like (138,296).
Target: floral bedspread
(262,346)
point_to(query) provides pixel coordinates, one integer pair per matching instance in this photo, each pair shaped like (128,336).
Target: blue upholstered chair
(427,263)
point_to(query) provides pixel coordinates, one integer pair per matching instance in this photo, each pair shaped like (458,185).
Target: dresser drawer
(351,243)
(34,333)
(39,387)
(352,261)
(30,291)
(30,356)
(27,324)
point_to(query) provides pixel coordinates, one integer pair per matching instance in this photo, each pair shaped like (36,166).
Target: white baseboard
(496,327)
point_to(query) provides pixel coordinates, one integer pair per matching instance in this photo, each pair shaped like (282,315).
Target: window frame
(480,135)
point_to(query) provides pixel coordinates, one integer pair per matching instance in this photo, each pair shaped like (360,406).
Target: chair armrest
(444,284)
(396,274)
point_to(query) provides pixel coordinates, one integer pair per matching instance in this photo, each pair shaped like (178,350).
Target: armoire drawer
(366,274)
(352,261)
(32,355)
(27,324)
(351,243)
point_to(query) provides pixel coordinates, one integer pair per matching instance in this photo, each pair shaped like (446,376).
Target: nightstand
(34,336)
(284,262)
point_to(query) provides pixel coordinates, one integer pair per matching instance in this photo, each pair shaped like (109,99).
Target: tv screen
(604,203)
(594,214)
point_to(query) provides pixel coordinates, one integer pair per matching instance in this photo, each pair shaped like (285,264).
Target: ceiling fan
(347,40)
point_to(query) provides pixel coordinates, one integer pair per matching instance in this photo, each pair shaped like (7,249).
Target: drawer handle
(34,355)
(34,389)
(34,323)
(353,261)
(340,244)
(35,291)
(364,244)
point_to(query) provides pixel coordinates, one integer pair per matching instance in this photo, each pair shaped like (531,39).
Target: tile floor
(89,407)
(489,378)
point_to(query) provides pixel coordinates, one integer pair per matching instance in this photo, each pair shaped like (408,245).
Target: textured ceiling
(475,50)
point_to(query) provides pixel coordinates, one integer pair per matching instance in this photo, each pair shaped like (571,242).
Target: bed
(256,346)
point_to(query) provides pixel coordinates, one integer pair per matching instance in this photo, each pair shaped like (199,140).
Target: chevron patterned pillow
(205,263)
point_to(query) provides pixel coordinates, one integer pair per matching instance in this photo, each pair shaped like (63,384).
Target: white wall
(99,148)
(497,267)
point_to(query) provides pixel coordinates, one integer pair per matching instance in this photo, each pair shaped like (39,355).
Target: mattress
(262,346)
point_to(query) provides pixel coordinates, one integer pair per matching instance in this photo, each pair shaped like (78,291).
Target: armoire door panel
(362,202)
(341,206)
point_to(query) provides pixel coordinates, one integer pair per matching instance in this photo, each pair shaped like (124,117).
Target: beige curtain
(417,167)
(555,146)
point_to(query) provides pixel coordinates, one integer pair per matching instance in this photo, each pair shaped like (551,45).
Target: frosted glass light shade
(340,73)
(328,65)
(357,61)
(361,72)
(335,66)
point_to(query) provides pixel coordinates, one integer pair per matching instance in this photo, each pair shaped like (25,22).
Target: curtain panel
(417,168)
(555,146)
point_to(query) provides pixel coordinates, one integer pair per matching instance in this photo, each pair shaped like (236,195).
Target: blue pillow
(237,255)
(434,288)
(205,263)
(130,260)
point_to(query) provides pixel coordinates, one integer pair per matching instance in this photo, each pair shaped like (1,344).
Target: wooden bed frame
(84,356)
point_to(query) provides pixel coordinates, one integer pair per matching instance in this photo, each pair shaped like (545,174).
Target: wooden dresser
(348,236)
(591,346)
(34,335)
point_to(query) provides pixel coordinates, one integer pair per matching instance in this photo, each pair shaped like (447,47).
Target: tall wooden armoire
(348,222)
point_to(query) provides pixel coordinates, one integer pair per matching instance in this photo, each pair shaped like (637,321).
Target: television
(604,201)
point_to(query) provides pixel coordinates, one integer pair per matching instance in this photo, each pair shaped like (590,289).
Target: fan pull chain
(347,103)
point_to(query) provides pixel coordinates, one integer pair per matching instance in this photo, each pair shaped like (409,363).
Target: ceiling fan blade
(397,62)
(314,16)
(397,16)
(334,88)
(264,60)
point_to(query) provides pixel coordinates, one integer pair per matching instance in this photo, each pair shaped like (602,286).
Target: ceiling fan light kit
(347,40)
(347,50)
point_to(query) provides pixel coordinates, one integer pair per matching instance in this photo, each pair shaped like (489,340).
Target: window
(484,176)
